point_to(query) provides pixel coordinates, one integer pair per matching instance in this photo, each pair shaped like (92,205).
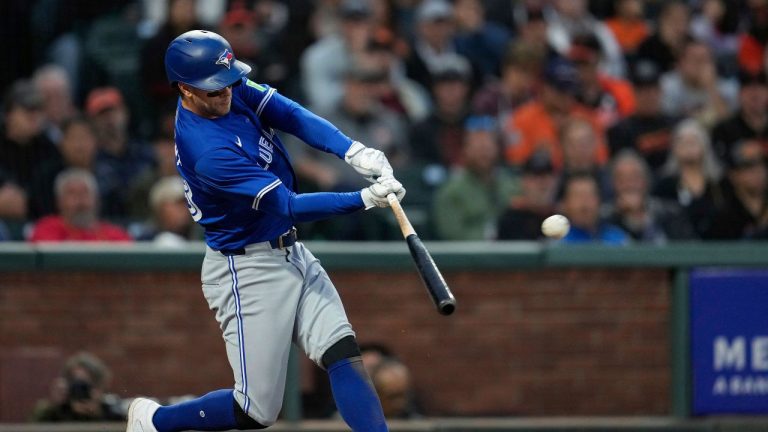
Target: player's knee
(244,421)
(345,348)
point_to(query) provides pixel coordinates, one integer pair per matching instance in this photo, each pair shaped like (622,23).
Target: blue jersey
(238,178)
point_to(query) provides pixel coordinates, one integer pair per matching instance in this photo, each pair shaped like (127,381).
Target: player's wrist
(354,148)
(366,196)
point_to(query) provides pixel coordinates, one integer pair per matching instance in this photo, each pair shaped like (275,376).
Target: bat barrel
(434,282)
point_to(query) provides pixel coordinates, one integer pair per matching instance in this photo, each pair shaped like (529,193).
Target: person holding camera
(78,394)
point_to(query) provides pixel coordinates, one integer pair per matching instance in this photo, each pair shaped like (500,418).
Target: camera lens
(79,390)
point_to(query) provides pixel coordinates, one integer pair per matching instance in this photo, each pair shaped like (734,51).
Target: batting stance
(265,287)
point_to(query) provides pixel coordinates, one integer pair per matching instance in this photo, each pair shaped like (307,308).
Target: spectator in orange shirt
(628,26)
(78,219)
(534,126)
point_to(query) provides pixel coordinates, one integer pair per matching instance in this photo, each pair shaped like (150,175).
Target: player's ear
(184,90)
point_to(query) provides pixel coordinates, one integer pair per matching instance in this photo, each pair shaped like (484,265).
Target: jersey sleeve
(288,116)
(239,178)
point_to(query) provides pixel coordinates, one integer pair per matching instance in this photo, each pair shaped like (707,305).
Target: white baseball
(555,226)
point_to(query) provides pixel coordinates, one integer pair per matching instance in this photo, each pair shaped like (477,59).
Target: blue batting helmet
(204,60)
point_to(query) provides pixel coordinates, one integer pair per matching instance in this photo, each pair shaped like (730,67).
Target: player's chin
(223,108)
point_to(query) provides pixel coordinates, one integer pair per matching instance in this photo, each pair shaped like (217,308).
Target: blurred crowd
(640,120)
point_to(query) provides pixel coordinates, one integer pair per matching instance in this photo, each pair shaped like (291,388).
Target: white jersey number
(193,208)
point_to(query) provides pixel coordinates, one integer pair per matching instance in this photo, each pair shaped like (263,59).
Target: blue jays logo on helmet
(225,58)
(194,58)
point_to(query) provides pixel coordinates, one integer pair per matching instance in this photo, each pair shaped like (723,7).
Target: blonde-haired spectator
(691,174)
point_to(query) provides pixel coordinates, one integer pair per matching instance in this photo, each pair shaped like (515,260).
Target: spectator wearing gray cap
(22,143)
(323,64)
(55,87)
(433,42)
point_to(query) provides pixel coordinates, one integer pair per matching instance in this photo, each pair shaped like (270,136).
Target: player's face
(208,104)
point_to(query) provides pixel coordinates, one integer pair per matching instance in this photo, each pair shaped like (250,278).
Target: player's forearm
(310,128)
(320,205)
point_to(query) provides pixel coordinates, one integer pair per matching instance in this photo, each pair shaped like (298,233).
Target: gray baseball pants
(263,300)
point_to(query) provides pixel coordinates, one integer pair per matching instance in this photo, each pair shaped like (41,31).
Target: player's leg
(254,298)
(216,411)
(257,316)
(324,333)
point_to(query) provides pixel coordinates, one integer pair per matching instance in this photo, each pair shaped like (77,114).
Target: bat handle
(402,219)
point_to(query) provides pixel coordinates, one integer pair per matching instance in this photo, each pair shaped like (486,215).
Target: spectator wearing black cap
(438,138)
(744,210)
(468,206)
(523,217)
(648,131)
(433,41)
(324,63)
(534,126)
(23,144)
(612,98)
(666,44)
(750,121)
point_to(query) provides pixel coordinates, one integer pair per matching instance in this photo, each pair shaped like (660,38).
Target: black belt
(284,241)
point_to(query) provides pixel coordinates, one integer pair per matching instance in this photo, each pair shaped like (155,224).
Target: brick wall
(552,342)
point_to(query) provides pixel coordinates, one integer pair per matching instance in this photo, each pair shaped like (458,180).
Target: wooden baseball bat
(438,290)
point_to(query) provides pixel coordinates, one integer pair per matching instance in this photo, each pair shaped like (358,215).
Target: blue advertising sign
(729,341)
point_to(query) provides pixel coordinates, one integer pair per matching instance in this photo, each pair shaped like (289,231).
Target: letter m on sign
(731,355)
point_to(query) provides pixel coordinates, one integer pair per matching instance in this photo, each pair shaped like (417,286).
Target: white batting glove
(369,162)
(375,195)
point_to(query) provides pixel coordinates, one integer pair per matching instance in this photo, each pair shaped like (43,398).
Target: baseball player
(265,288)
